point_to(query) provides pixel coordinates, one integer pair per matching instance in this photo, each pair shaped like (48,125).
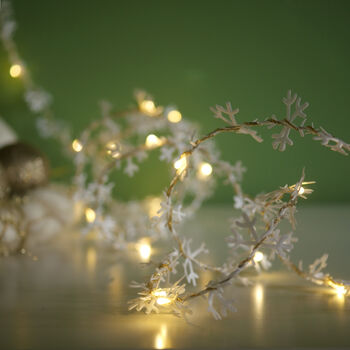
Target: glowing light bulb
(340,290)
(153,141)
(174,116)
(159,293)
(144,249)
(114,149)
(181,164)
(148,106)
(15,71)
(301,190)
(90,215)
(163,301)
(258,256)
(204,171)
(162,298)
(77,145)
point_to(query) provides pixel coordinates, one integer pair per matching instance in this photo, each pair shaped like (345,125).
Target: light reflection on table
(161,340)
(258,310)
(76,297)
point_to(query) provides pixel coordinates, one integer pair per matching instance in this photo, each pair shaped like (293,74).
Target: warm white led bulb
(159,293)
(204,171)
(174,116)
(163,301)
(15,70)
(148,107)
(144,249)
(90,215)
(181,164)
(114,149)
(77,145)
(258,256)
(162,298)
(153,141)
(340,290)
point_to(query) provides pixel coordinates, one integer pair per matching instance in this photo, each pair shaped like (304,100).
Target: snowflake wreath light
(255,232)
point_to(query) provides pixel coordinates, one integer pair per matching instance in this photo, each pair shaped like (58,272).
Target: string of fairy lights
(152,141)
(166,296)
(105,146)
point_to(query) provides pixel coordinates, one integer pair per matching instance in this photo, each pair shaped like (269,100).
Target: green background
(194,54)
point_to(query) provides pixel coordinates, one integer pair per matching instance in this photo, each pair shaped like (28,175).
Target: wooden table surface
(75,296)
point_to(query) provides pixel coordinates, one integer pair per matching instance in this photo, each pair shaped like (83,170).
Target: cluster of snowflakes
(255,229)
(108,146)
